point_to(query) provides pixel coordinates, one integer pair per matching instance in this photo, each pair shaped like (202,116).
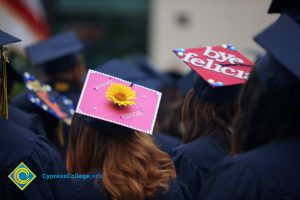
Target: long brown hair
(132,165)
(265,113)
(201,118)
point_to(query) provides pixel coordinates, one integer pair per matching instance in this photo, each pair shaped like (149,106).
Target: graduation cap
(57,53)
(289,7)
(118,102)
(129,73)
(280,66)
(5,38)
(221,69)
(142,62)
(187,82)
(44,97)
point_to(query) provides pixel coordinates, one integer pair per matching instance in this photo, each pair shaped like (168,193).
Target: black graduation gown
(87,190)
(268,172)
(49,122)
(20,145)
(166,142)
(28,121)
(194,161)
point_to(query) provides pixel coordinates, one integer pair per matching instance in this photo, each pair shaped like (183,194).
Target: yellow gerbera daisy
(121,94)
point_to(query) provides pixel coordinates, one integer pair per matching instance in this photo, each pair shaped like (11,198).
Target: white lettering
(224,57)
(209,65)
(225,70)
(208,52)
(235,60)
(103,84)
(197,62)
(241,74)
(132,114)
(188,56)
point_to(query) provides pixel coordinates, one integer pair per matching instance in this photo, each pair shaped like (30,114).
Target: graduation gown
(88,190)
(194,161)
(268,172)
(28,121)
(49,122)
(166,142)
(40,156)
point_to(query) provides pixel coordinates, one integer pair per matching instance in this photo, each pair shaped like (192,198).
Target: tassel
(60,133)
(3,86)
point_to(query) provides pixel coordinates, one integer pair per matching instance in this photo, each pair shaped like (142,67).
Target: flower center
(120,96)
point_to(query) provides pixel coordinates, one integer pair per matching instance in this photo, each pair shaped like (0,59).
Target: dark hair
(169,113)
(133,167)
(201,118)
(265,114)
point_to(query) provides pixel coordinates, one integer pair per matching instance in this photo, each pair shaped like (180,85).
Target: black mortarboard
(5,38)
(289,7)
(214,94)
(186,82)
(280,66)
(142,62)
(57,53)
(130,73)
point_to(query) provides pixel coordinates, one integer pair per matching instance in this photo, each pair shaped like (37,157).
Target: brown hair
(168,116)
(265,113)
(201,118)
(132,165)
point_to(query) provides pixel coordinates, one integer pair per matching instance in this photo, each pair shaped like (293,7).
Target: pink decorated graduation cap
(217,65)
(118,101)
(221,69)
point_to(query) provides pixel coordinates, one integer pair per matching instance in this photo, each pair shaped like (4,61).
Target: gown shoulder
(268,172)
(19,145)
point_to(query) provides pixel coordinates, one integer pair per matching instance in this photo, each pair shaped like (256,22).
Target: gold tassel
(60,133)
(3,86)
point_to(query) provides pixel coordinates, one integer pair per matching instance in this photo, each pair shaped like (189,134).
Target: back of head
(210,105)
(205,117)
(131,164)
(265,114)
(269,104)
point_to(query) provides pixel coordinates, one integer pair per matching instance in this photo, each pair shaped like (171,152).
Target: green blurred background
(108,28)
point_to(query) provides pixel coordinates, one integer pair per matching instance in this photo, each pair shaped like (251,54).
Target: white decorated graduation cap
(280,66)
(129,73)
(289,7)
(5,39)
(57,53)
(221,69)
(47,99)
(119,102)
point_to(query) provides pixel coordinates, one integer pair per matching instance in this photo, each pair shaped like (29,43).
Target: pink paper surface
(93,103)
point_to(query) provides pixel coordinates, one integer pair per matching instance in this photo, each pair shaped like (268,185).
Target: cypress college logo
(22,176)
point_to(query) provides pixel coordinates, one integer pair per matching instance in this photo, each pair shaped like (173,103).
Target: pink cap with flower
(117,101)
